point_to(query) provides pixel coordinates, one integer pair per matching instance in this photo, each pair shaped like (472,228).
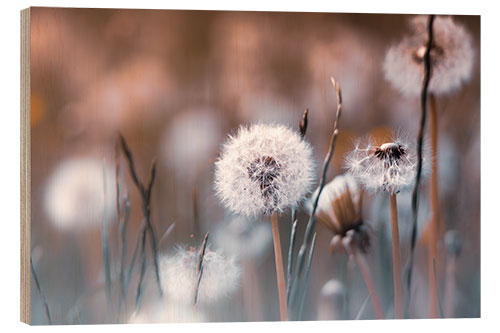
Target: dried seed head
(339,209)
(452,57)
(263,169)
(389,167)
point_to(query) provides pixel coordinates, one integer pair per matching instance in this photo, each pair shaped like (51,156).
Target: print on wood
(218,166)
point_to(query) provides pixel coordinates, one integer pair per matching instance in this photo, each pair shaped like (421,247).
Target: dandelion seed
(179,277)
(452,57)
(389,167)
(80,194)
(264,169)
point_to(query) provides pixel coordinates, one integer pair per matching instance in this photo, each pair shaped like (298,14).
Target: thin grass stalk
(122,295)
(363,266)
(420,141)
(363,306)
(167,233)
(280,275)
(289,270)
(312,218)
(396,266)
(145,193)
(433,239)
(302,130)
(200,268)
(123,257)
(306,281)
(134,255)
(138,297)
(40,292)
(105,248)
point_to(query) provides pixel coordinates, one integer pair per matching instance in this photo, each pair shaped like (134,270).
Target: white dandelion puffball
(179,278)
(452,57)
(80,194)
(263,169)
(389,167)
(244,238)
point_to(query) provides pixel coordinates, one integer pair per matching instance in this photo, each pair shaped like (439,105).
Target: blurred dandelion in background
(332,301)
(452,56)
(190,142)
(80,194)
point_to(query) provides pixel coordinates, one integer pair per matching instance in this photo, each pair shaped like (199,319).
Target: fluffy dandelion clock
(452,57)
(179,278)
(339,210)
(264,169)
(389,167)
(80,194)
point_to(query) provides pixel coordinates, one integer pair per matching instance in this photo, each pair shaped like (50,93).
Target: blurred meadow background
(175,84)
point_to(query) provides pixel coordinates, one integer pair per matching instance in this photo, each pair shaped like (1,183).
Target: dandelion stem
(42,295)
(280,275)
(420,140)
(363,266)
(433,308)
(398,305)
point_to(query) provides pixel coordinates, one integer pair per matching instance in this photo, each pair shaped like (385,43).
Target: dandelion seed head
(179,278)
(452,57)
(80,194)
(389,167)
(263,169)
